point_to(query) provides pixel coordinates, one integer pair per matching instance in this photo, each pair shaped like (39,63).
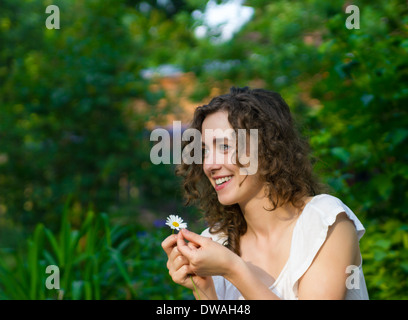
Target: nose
(212,163)
(211,168)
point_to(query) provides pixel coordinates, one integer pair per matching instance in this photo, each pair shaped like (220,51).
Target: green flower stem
(195,288)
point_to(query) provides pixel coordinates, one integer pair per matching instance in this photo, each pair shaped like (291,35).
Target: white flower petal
(175,222)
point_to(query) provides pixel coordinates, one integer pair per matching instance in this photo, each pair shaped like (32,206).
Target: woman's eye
(205,151)
(224,147)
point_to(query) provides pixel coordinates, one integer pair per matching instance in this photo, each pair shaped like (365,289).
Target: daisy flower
(175,222)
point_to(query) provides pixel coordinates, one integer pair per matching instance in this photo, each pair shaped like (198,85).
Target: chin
(226,201)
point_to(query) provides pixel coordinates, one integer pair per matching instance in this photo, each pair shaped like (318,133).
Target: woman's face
(219,162)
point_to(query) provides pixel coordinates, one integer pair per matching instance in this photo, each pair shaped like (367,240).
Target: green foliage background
(77,187)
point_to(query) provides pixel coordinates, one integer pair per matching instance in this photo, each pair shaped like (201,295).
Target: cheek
(205,171)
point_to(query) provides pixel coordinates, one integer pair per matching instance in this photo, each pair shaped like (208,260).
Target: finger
(174,253)
(180,261)
(176,263)
(169,243)
(194,237)
(193,245)
(181,276)
(182,246)
(172,258)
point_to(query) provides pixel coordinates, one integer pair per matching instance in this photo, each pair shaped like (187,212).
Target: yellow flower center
(176,224)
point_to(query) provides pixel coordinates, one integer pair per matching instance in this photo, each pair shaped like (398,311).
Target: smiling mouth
(221,181)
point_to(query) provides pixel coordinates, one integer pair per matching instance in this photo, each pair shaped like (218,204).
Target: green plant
(384,250)
(97,261)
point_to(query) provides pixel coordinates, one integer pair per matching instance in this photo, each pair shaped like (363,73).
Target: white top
(308,236)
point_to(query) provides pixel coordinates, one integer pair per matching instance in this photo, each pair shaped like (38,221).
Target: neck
(262,222)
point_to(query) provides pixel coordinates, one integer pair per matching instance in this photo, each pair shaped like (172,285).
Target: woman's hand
(205,257)
(180,270)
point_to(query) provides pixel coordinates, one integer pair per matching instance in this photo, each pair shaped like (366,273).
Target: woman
(272,234)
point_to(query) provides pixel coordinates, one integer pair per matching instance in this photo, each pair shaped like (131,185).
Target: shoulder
(327,232)
(326,275)
(327,204)
(341,237)
(327,222)
(325,211)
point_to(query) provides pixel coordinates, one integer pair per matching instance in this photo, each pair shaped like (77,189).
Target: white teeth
(222,180)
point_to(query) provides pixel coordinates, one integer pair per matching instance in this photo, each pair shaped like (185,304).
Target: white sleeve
(312,231)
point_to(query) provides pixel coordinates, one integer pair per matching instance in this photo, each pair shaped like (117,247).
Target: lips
(222,182)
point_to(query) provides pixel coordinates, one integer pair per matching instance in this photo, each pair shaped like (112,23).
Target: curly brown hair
(285,166)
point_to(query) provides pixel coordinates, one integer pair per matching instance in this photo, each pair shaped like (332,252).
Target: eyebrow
(217,140)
